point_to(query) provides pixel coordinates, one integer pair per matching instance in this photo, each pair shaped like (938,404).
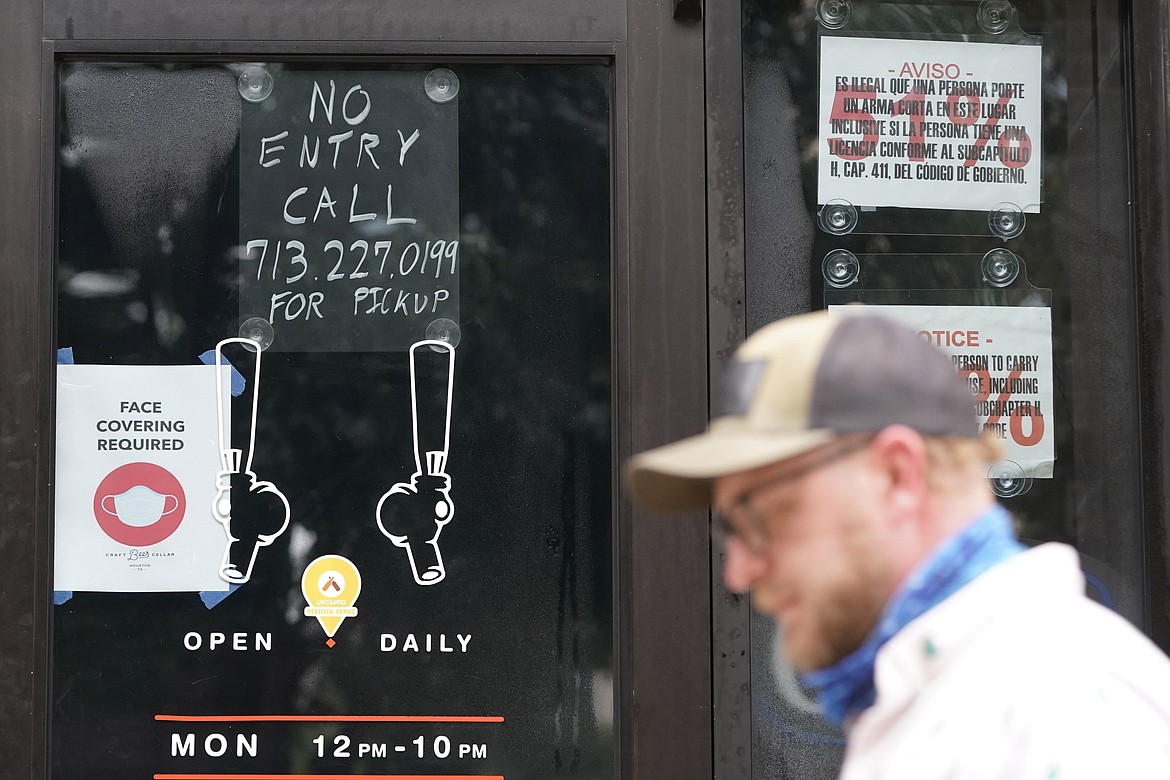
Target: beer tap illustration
(412,514)
(253,512)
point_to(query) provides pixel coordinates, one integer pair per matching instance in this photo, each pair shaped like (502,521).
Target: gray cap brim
(679,476)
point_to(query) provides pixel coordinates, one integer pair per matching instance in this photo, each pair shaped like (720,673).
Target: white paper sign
(1005,354)
(137,457)
(929,124)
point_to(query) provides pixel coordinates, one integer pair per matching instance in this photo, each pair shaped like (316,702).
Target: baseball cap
(797,384)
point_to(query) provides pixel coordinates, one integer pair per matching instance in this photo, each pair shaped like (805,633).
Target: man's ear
(899,453)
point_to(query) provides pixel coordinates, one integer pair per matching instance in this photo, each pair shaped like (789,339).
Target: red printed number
(839,113)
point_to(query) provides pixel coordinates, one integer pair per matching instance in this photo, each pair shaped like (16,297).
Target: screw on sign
(1016,415)
(964,109)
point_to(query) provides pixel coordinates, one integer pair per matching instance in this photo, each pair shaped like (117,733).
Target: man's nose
(741,566)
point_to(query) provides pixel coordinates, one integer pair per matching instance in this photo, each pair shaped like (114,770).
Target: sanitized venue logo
(139,504)
(331,585)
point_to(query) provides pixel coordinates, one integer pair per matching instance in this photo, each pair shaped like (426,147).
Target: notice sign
(349,210)
(137,455)
(929,124)
(1005,354)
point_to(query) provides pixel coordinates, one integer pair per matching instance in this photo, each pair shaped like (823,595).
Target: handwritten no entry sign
(349,208)
(929,124)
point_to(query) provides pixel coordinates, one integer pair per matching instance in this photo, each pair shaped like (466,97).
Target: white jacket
(1017,676)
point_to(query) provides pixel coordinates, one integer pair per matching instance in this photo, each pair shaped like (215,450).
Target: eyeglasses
(752,530)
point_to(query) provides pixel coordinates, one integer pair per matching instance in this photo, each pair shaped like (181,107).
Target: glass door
(968,167)
(333,476)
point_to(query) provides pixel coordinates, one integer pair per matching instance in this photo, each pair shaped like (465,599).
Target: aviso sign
(349,211)
(929,124)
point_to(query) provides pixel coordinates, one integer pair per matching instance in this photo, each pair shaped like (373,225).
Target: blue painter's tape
(238,382)
(64,358)
(211,598)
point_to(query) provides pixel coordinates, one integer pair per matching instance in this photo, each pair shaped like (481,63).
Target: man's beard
(844,617)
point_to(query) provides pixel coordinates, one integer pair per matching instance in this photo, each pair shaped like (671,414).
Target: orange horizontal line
(232,776)
(333,718)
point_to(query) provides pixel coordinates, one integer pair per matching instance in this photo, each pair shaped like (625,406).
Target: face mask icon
(140,506)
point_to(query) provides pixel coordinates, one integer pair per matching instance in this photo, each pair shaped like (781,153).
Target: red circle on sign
(157,481)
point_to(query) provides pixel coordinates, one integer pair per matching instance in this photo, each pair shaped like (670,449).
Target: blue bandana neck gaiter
(848,687)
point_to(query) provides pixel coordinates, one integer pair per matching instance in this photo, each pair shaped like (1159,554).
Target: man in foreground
(850,491)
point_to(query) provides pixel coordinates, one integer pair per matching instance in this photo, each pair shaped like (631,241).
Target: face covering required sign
(137,454)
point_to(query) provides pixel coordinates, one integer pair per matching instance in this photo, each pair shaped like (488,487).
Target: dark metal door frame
(26,324)
(1149,66)
(660,314)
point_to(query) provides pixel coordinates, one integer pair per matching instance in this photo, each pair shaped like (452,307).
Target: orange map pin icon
(331,585)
